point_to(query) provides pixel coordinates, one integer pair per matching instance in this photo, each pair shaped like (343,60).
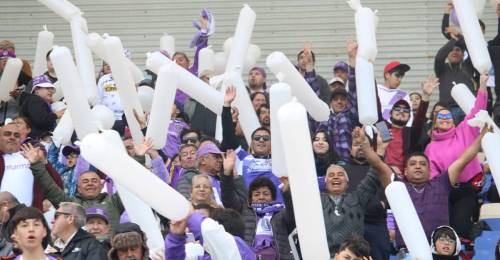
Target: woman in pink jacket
(448,143)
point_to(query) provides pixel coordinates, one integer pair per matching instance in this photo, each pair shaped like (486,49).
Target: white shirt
(17,178)
(108,95)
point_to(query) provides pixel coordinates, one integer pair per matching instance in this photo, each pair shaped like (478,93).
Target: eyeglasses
(261,138)
(59,213)
(446,240)
(401,109)
(444,116)
(398,74)
(191,140)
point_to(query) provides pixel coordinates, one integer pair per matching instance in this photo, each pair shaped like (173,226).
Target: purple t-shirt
(431,204)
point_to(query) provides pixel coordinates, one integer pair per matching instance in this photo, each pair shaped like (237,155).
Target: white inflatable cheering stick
(279,94)
(9,77)
(44,43)
(279,64)
(301,170)
(73,91)
(104,155)
(408,222)
(366,25)
(125,85)
(476,45)
(167,43)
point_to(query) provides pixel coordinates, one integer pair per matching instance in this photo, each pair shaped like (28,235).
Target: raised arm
(442,54)
(445,23)
(229,139)
(383,170)
(419,120)
(229,197)
(470,153)
(49,187)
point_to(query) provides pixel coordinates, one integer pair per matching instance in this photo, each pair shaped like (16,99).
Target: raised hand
(429,85)
(359,136)
(229,96)
(352,50)
(483,80)
(448,7)
(32,154)
(308,55)
(178,227)
(229,162)
(144,147)
(141,119)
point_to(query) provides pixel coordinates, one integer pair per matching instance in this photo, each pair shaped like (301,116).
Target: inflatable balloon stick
(63,8)
(138,211)
(145,94)
(476,45)
(303,182)
(490,144)
(241,39)
(103,116)
(108,158)
(125,85)
(163,99)
(367,101)
(408,222)
(64,130)
(278,63)
(44,43)
(96,44)
(83,58)
(366,24)
(73,91)
(464,97)
(9,77)
(279,94)
(247,117)
(187,82)
(167,43)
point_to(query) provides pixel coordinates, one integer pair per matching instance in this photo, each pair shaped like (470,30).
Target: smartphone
(383,131)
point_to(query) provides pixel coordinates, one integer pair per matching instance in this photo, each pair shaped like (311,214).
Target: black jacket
(38,112)
(83,246)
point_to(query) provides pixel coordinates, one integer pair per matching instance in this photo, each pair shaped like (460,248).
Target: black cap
(338,91)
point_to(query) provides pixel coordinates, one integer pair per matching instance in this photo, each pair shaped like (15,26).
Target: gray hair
(9,198)
(76,210)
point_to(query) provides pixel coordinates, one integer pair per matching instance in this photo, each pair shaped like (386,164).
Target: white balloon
(254,51)
(9,77)
(43,45)
(56,106)
(146,94)
(103,116)
(464,97)
(227,45)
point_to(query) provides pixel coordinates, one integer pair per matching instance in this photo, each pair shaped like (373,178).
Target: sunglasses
(262,138)
(444,116)
(402,109)
(191,140)
(398,74)
(58,213)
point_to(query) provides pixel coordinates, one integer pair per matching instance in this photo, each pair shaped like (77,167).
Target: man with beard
(404,138)
(375,228)
(264,114)
(257,80)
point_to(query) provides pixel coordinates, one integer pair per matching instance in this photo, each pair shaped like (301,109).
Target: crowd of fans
(55,205)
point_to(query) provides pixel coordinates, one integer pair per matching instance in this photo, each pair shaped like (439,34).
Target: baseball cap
(401,102)
(69,149)
(42,81)
(338,91)
(97,213)
(341,65)
(7,54)
(207,148)
(336,79)
(396,65)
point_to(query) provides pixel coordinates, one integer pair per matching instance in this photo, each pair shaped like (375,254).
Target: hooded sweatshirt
(455,255)
(446,147)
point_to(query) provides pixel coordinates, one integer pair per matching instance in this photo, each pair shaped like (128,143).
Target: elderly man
(97,224)
(428,196)
(15,172)
(36,107)
(88,190)
(71,241)
(9,205)
(257,80)
(210,163)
